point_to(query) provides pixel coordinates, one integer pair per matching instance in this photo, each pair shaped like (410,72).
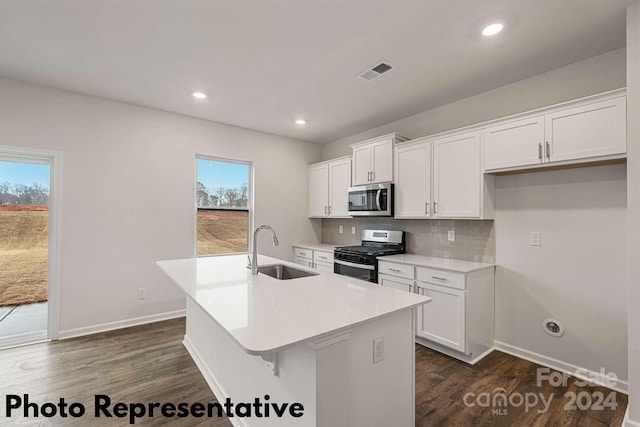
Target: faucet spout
(254,254)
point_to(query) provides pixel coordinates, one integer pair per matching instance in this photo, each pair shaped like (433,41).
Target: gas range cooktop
(374,243)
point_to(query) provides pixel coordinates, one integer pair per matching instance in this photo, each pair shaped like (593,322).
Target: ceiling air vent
(376,71)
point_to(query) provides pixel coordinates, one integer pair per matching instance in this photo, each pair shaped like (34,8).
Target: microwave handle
(378,194)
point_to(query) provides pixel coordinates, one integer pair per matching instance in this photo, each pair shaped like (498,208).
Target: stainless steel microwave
(371,200)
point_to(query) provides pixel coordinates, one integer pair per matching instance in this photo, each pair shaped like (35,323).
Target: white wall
(594,75)
(578,273)
(577,276)
(128,193)
(633,207)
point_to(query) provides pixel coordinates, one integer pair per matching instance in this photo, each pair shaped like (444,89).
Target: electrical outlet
(142,293)
(341,229)
(353,229)
(378,350)
(451,235)
(535,238)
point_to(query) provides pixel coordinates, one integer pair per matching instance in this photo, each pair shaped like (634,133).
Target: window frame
(250,203)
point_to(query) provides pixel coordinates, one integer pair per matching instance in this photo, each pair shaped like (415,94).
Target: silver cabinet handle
(369,176)
(548,150)
(438,278)
(394,269)
(302,253)
(322,257)
(426,207)
(373,176)
(435,204)
(540,150)
(329,209)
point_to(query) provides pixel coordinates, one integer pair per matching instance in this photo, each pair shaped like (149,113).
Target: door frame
(54,160)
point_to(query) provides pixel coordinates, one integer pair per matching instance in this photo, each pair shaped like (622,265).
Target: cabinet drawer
(399,270)
(303,253)
(441,277)
(320,256)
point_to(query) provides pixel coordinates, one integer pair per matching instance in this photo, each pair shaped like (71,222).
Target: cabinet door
(413,181)
(323,266)
(597,129)
(362,165)
(339,182)
(518,143)
(382,153)
(318,190)
(303,261)
(395,282)
(443,319)
(456,176)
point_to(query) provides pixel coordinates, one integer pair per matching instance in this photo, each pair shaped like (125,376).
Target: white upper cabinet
(318,190)
(457,176)
(373,159)
(339,182)
(512,144)
(592,129)
(362,165)
(413,180)
(441,177)
(328,184)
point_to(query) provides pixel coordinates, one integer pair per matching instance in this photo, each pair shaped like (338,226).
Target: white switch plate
(451,235)
(353,230)
(142,293)
(341,229)
(378,350)
(535,238)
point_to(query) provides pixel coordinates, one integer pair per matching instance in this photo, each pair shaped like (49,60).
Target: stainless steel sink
(284,272)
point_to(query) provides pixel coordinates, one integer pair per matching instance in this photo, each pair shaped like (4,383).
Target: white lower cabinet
(313,258)
(396,282)
(459,319)
(443,319)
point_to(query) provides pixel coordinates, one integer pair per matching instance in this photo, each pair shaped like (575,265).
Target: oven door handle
(353,264)
(378,194)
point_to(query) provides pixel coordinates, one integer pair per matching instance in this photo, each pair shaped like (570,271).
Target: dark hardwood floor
(149,364)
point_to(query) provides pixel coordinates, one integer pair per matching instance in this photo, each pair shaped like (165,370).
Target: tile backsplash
(474,239)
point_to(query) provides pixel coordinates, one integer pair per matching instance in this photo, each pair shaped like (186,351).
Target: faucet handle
(248,261)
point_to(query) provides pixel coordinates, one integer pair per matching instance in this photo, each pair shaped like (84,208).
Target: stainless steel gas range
(360,261)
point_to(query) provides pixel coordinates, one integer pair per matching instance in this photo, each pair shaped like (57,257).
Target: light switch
(353,230)
(451,235)
(535,238)
(341,229)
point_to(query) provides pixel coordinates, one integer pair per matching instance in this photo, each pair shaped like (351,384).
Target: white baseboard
(23,339)
(568,368)
(466,358)
(120,324)
(628,422)
(211,380)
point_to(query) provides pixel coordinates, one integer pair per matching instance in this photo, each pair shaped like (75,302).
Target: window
(223,200)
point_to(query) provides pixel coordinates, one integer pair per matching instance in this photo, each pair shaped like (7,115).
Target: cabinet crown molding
(394,135)
(325,162)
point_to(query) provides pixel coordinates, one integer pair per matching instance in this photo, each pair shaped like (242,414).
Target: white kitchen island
(307,340)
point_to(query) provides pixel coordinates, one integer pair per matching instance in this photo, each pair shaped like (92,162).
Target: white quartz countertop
(316,246)
(457,265)
(264,315)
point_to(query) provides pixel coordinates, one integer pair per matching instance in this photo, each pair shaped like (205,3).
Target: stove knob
(363,259)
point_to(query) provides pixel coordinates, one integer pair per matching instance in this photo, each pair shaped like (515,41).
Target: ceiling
(266,63)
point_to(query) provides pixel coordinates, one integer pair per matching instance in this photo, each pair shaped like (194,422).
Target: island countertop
(265,315)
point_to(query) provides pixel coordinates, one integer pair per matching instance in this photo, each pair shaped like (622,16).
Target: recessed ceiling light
(301,121)
(492,29)
(199,95)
